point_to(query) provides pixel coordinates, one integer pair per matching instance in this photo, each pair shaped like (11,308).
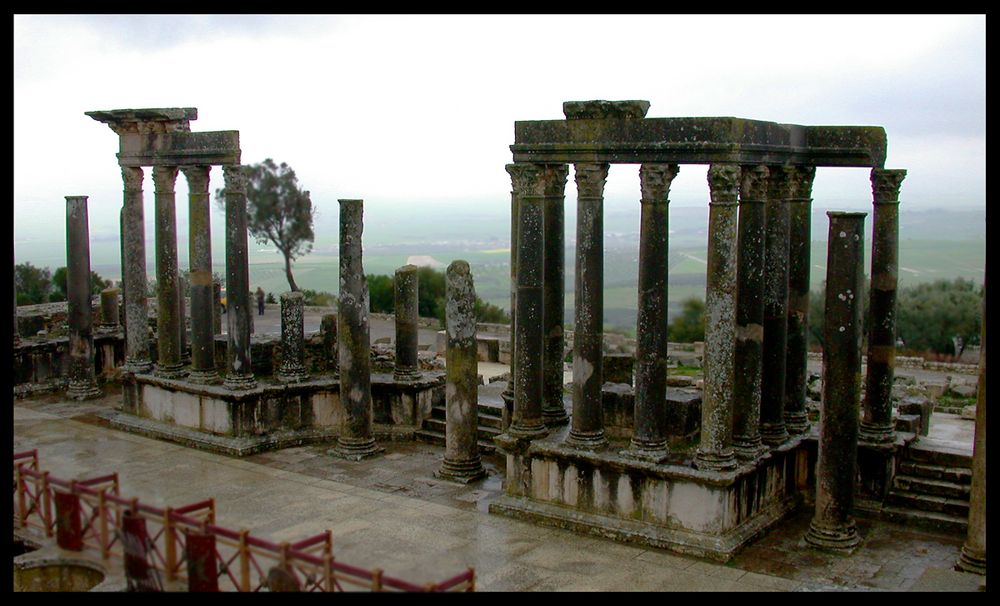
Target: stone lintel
(149,114)
(602,110)
(180,148)
(696,141)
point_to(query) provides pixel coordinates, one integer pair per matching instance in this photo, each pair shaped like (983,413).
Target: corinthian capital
(655,180)
(554,179)
(132,177)
(802,182)
(590,178)
(164,178)
(753,183)
(197,178)
(885,184)
(524,179)
(234,178)
(723,183)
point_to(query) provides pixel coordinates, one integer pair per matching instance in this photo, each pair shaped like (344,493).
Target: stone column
(461,456)
(134,275)
(876,421)
(328,330)
(353,341)
(649,436)
(715,451)
(82,385)
(526,422)
(109,308)
(216,308)
(239,373)
(587,430)
(797,350)
(204,308)
(832,527)
(554,295)
(973,558)
(292,368)
(407,314)
(168,308)
(17,336)
(749,314)
(772,383)
(121,283)
(514,170)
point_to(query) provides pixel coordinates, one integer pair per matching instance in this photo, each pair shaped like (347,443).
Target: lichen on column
(799,268)
(82,385)
(239,372)
(168,320)
(554,295)
(204,308)
(406,302)
(137,359)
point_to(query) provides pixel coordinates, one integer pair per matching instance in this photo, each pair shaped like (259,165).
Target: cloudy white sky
(418,111)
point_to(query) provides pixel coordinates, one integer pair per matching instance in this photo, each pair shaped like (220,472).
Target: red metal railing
(88,514)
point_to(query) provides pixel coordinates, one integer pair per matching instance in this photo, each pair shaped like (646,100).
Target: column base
(749,449)
(715,460)
(406,374)
(971,562)
(356,449)
(773,434)
(83,390)
(463,471)
(170,371)
(554,418)
(138,367)
(876,434)
(586,440)
(797,422)
(526,431)
(204,377)
(239,382)
(292,375)
(654,452)
(843,538)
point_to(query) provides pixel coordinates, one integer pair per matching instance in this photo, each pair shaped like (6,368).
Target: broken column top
(599,110)
(153,119)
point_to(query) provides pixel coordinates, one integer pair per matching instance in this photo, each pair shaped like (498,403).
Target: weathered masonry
(752,460)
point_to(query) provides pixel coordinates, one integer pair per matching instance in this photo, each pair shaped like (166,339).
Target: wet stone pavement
(392,512)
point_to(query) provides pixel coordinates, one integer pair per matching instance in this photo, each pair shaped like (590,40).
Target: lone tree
(278,211)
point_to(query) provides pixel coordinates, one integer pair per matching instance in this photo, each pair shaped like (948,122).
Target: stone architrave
(587,428)
(82,385)
(747,443)
(973,558)
(356,439)
(134,273)
(715,451)
(168,343)
(292,368)
(772,383)
(514,171)
(876,420)
(832,526)
(461,458)
(554,295)
(239,372)
(204,308)
(797,339)
(649,435)
(526,421)
(406,302)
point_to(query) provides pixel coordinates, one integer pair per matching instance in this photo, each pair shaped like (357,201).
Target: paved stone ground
(391,512)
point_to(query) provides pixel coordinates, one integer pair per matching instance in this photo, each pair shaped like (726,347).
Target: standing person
(260,301)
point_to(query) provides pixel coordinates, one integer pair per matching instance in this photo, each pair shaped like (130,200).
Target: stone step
(921,502)
(940,488)
(490,419)
(926,519)
(438,426)
(956,475)
(429,436)
(938,453)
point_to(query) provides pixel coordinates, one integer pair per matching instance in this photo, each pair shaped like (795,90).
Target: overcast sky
(420,110)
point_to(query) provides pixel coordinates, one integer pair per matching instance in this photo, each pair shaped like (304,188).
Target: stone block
(679,381)
(969,412)
(935,389)
(920,406)
(962,390)
(908,423)
(618,368)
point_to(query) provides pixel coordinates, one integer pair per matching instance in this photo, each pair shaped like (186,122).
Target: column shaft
(715,450)
(109,308)
(876,422)
(528,338)
(356,439)
(406,303)
(973,558)
(82,385)
(772,386)
(508,393)
(649,437)
(203,306)
(292,368)
(836,468)
(168,308)
(461,457)
(134,275)
(587,428)
(239,372)
(797,352)
(554,295)
(749,314)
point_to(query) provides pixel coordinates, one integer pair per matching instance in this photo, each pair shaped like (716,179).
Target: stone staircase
(931,487)
(490,426)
